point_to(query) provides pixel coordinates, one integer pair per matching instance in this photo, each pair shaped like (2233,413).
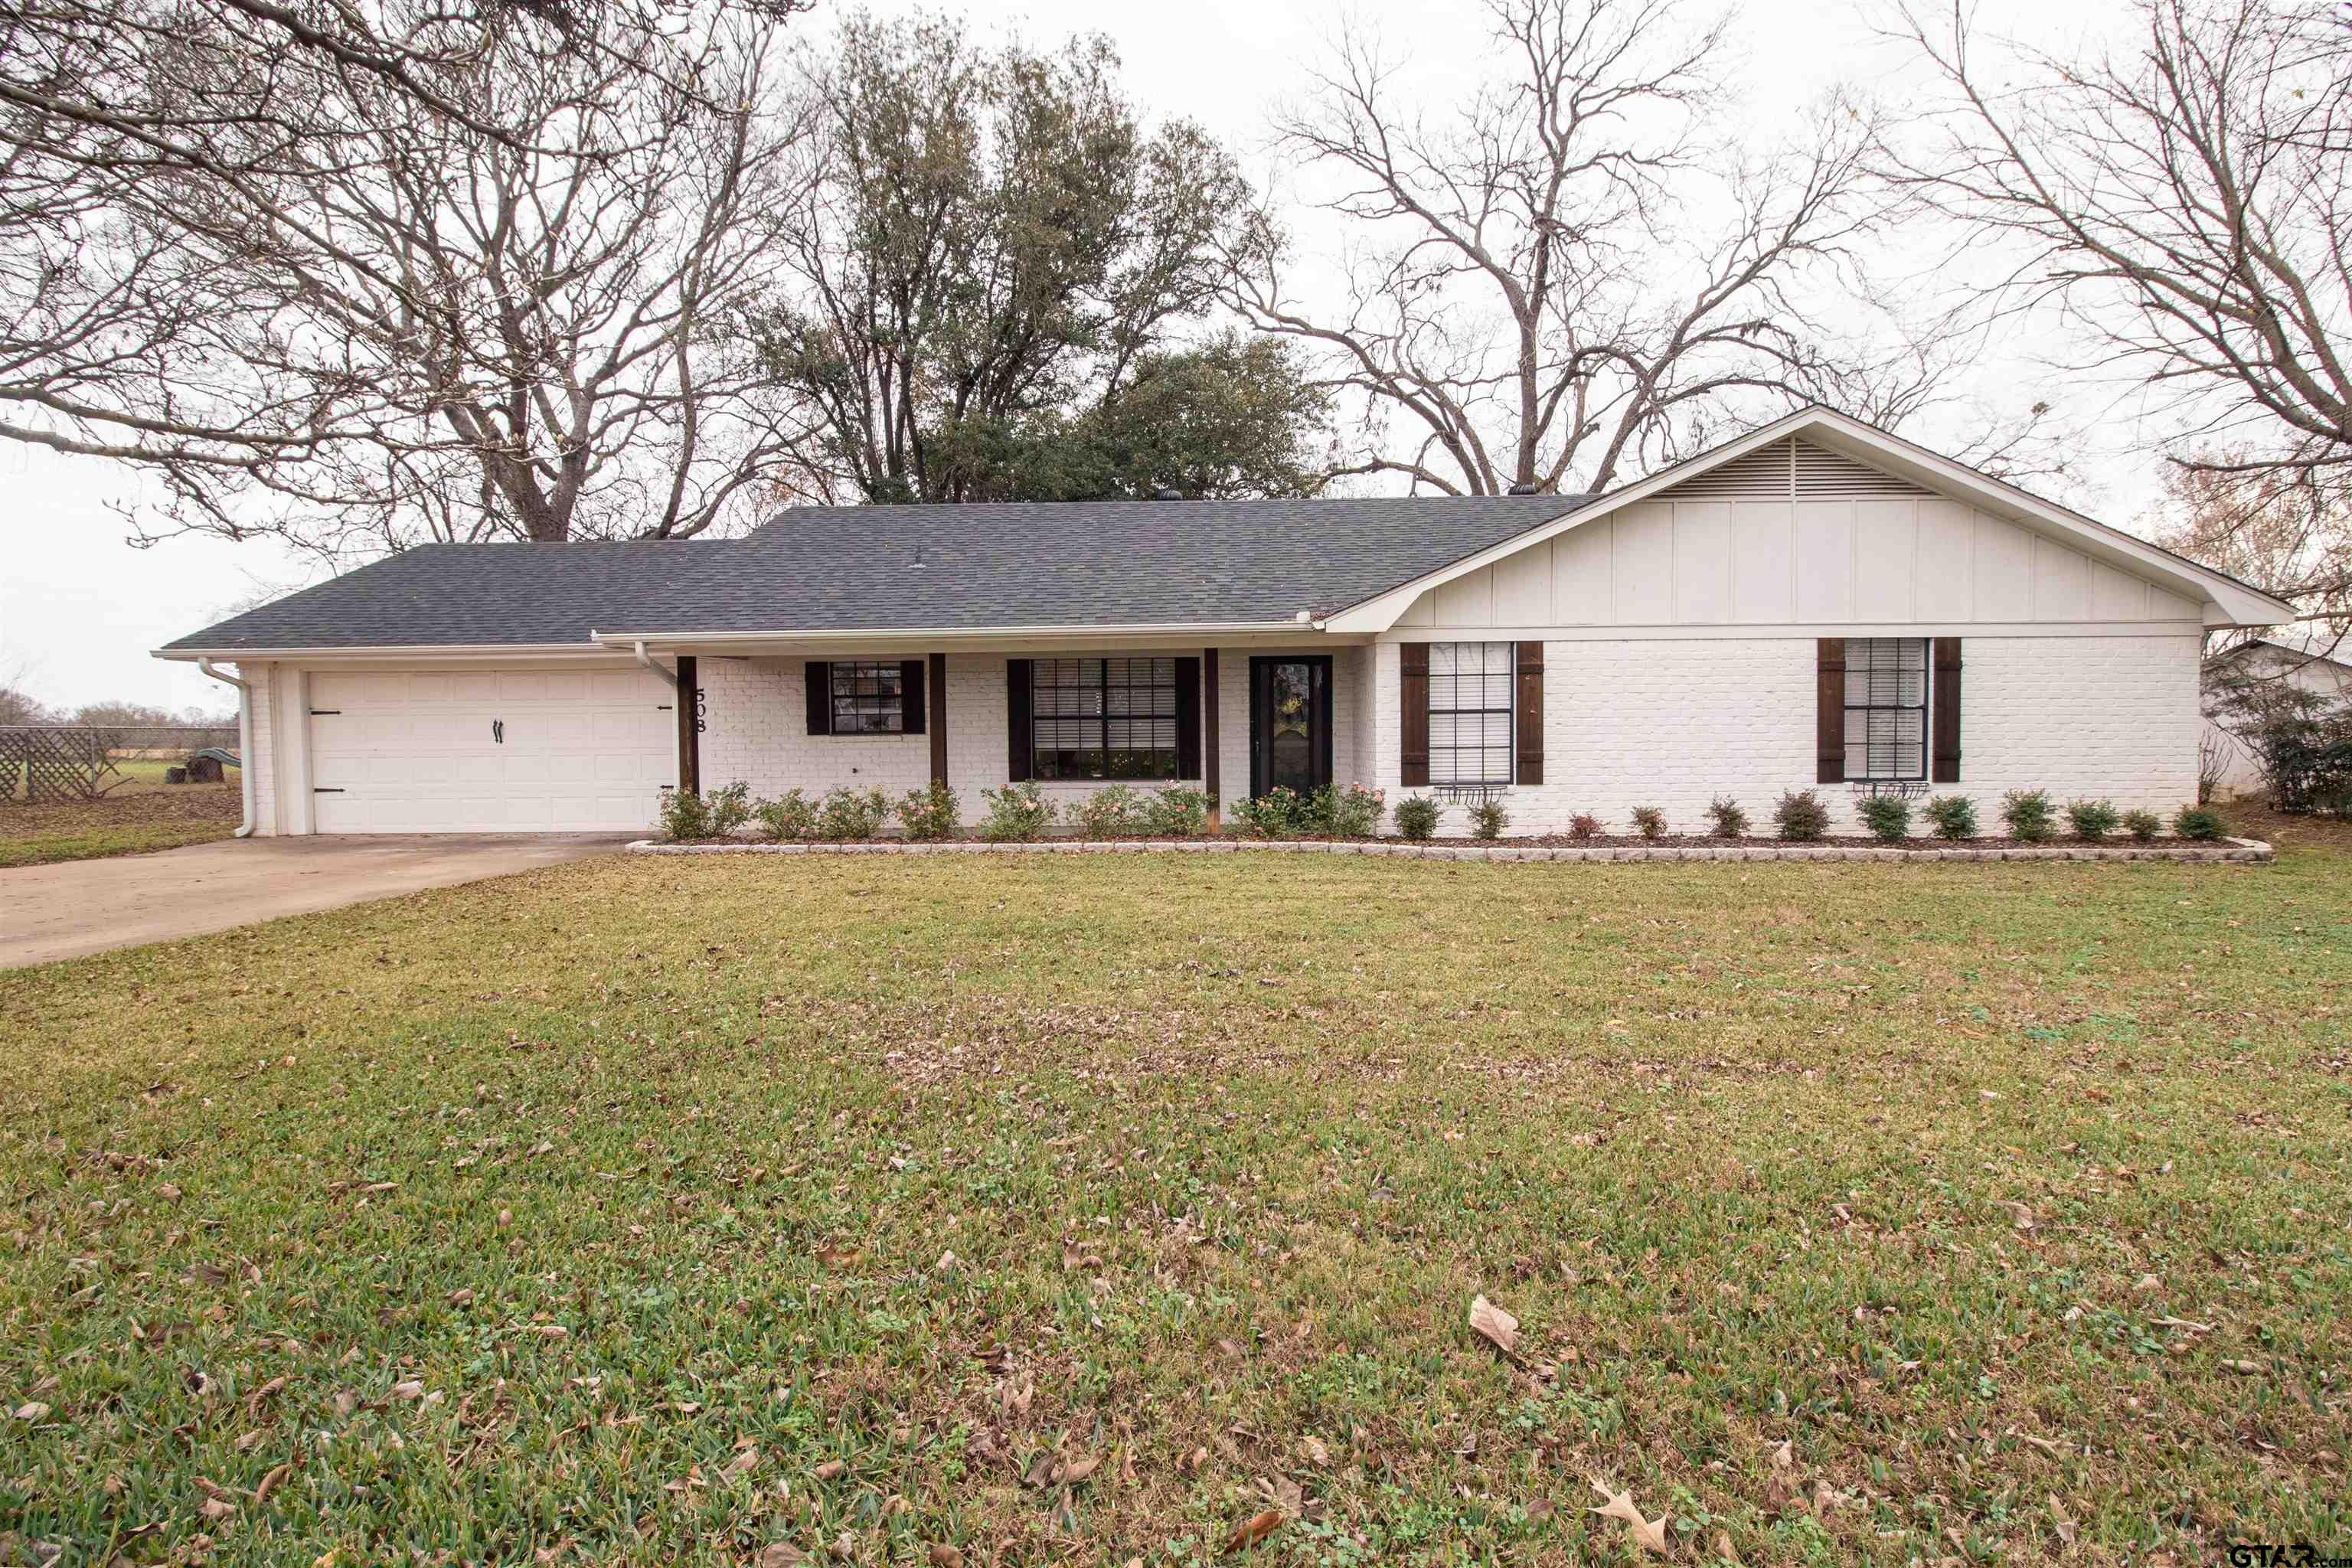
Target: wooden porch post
(689,727)
(937,693)
(1208,771)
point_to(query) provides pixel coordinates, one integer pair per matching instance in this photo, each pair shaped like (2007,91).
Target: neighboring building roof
(877,568)
(2301,647)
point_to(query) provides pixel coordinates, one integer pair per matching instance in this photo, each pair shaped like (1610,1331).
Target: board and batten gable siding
(1732,547)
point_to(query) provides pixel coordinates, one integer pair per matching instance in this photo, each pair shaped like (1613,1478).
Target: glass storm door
(1290,723)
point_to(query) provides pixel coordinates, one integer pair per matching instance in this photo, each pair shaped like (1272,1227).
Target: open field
(141,814)
(1083,1209)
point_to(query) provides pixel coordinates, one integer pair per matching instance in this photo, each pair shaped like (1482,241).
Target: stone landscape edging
(2238,850)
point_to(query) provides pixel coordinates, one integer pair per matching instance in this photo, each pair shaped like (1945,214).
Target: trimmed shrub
(1488,819)
(1888,817)
(1649,822)
(849,813)
(2093,820)
(930,814)
(2028,814)
(1017,813)
(1416,817)
(1180,812)
(1584,825)
(2143,825)
(1953,816)
(729,808)
(1730,819)
(1280,812)
(1354,812)
(1800,817)
(789,817)
(684,816)
(1110,812)
(2201,823)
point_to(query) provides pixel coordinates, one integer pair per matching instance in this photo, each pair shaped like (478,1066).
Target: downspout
(645,659)
(244,740)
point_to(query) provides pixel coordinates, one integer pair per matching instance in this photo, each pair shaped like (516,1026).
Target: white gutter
(383,650)
(933,634)
(244,740)
(648,660)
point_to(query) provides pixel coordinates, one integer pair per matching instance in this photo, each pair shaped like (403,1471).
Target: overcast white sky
(79,610)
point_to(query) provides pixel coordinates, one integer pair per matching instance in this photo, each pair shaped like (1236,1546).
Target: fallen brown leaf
(1650,1535)
(782,1555)
(1494,1325)
(271,1482)
(946,1557)
(1255,1528)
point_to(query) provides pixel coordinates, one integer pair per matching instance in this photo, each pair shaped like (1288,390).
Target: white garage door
(490,751)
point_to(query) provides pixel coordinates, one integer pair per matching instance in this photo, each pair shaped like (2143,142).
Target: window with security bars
(1885,707)
(1103,717)
(1470,712)
(867,698)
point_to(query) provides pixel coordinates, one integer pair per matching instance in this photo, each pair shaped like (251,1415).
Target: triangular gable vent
(1793,470)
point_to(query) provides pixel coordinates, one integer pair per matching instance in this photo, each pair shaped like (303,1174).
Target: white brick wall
(756,714)
(1672,722)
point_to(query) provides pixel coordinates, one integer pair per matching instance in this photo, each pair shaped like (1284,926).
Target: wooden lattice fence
(44,761)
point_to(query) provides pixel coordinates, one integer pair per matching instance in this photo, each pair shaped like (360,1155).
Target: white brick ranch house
(1817,603)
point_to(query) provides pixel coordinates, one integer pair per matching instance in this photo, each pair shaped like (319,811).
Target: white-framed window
(1470,712)
(868,698)
(1886,708)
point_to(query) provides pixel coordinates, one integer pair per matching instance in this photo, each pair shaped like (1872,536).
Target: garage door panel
(416,751)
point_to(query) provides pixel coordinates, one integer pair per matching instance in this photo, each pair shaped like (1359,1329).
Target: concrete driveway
(89,906)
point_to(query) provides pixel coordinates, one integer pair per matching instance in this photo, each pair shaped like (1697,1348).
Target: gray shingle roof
(902,568)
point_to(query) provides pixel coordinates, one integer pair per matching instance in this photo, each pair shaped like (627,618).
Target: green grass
(40,848)
(508,1218)
(141,814)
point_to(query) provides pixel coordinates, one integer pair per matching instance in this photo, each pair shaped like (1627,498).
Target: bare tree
(2283,525)
(410,272)
(1562,283)
(2185,207)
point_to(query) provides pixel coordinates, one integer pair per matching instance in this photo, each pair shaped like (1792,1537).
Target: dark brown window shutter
(1412,695)
(1187,718)
(1944,729)
(820,697)
(1828,719)
(911,708)
(1021,736)
(1530,725)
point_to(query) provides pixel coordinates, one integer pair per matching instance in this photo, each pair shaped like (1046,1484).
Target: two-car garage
(458,750)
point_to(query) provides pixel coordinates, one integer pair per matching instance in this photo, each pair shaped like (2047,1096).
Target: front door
(1290,722)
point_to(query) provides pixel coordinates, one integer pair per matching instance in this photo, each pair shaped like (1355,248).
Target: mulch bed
(1549,841)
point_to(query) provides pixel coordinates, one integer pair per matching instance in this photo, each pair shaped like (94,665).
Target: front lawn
(139,815)
(1089,1208)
